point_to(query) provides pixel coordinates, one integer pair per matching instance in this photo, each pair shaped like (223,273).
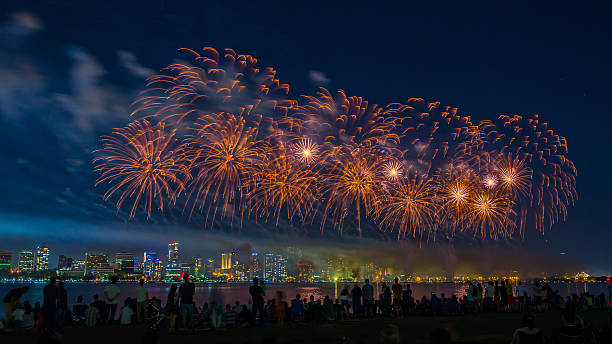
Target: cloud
(27,21)
(91,103)
(128,61)
(318,77)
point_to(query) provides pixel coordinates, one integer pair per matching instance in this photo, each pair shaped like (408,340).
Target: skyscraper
(173,268)
(275,267)
(255,266)
(209,268)
(127,262)
(226,261)
(64,262)
(149,259)
(27,262)
(42,257)
(6,260)
(198,266)
(173,255)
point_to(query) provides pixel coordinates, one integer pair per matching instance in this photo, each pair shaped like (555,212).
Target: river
(232,292)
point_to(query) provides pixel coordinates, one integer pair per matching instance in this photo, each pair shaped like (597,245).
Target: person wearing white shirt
(125,316)
(142,295)
(111,293)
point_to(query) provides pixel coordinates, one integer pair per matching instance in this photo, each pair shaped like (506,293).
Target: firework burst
(409,207)
(141,161)
(222,156)
(282,182)
(352,183)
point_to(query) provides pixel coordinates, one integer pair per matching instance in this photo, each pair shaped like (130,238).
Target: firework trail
(409,207)
(283,181)
(552,186)
(227,136)
(212,81)
(222,156)
(353,182)
(142,161)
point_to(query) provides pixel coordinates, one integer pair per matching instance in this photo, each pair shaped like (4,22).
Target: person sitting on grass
(528,333)
(92,316)
(126,314)
(229,317)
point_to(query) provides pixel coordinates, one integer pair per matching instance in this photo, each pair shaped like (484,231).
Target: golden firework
(282,182)
(142,161)
(352,182)
(223,154)
(409,207)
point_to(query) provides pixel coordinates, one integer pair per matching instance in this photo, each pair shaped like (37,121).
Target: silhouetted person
(49,309)
(258,301)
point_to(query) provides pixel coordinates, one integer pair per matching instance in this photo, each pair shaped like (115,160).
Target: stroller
(155,314)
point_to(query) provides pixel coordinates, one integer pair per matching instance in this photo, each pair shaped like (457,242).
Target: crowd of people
(356,301)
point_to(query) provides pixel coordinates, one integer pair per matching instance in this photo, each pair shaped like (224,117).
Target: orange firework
(223,154)
(393,170)
(514,175)
(306,151)
(344,120)
(353,182)
(431,133)
(409,207)
(213,81)
(281,182)
(552,185)
(490,213)
(142,161)
(454,186)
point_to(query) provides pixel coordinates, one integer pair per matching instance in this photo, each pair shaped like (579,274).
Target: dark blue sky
(69,70)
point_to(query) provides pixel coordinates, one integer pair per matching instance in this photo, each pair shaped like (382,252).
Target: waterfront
(232,292)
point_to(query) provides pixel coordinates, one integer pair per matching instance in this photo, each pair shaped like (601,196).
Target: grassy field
(481,328)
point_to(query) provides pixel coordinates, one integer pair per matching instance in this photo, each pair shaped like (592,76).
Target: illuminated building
(173,255)
(27,262)
(198,268)
(6,259)
(303,271)
(42,257)
(97,265)
(226,261)
(209,268)
(76,270)
(149,258)
(369,271)
(126,262)
(275,267)
(255,266)
(64,263)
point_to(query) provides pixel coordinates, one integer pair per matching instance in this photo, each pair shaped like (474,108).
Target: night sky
(70,69)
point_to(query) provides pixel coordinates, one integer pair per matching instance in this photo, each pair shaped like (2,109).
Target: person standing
(172,307)
(186,291)
(397,296)
(142,296)
(356,294)
(258,301)
(344,298)
(368,297)
(62,305)
(49,308)
(111,294)
(10,302)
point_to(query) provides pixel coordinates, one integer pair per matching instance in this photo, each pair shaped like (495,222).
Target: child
(126,314)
